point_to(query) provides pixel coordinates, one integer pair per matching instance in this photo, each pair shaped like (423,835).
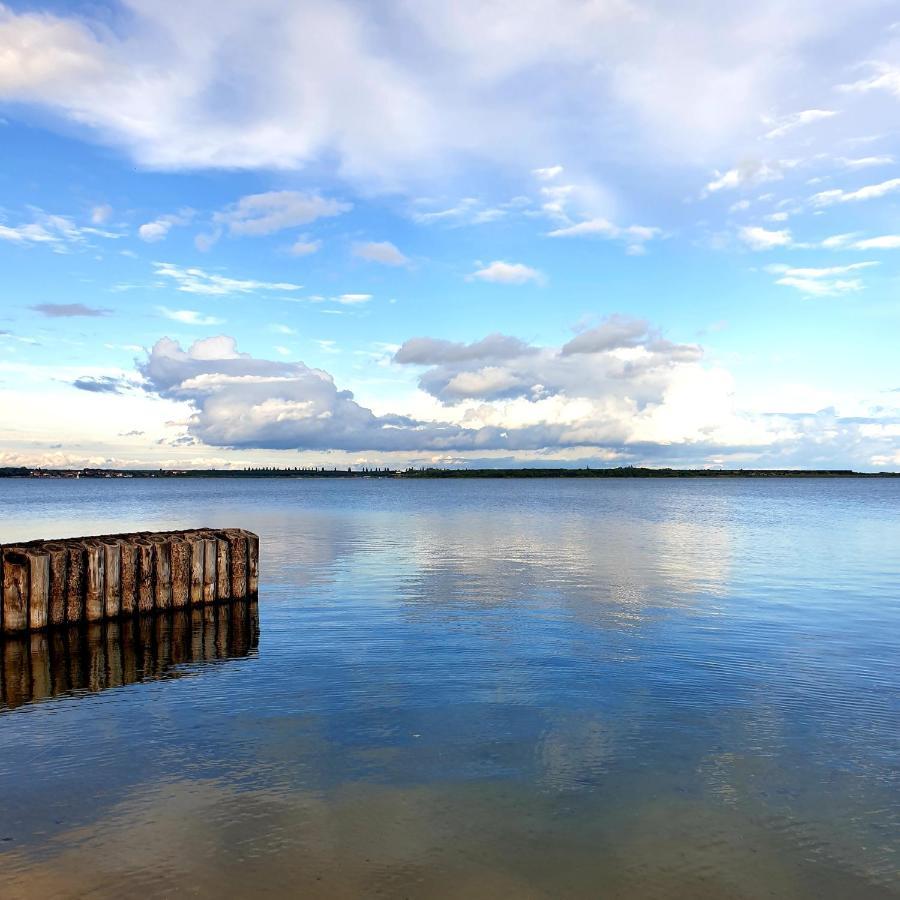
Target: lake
(473,689)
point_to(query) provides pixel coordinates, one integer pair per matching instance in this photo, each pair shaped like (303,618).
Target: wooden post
(223,568)
(197,554)
(112,584)
(210,560)
(163,572)
(38,588)
(252,563)
(74,582)
(128,577)
(56,614)
(15,590)
(180,552)
(238,545)
(145,580)
(93,581)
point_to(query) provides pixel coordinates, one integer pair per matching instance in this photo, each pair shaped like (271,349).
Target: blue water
(481,689)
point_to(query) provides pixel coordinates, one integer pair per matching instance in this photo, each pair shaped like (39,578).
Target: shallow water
(475,689)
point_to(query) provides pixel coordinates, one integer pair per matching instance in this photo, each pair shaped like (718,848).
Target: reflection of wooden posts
(117,652)
(54,583)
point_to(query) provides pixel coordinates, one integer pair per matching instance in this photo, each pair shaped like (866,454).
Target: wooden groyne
(82,660)
(92,579)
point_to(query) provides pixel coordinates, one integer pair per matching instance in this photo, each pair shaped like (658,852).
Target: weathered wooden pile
(48,583)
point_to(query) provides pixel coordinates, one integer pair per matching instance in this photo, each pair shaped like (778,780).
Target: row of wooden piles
(52,583)
(79,660)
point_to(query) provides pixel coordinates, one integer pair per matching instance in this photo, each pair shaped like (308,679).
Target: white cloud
(197,281)
(869,192)
(278,328)
(884,77)
(188,316)
(279,85)
(304,247)
(865,162)
(634,235)
(380,251)
(501,272)
(758,238)
(822,287)
(59,233)
(352,299)
(468,211)
(820,282)
(750,172)
(261,214)
(882,242)
(159,228)
(548,173)
(101,214)
(797,120)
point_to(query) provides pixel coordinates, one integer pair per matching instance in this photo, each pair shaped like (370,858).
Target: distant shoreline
(322,472)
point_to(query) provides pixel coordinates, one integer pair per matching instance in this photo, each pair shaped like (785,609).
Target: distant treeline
(323,472)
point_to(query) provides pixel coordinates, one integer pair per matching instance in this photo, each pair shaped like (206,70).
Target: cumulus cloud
(636,396)
(619,354)
(380,251)
(240,401)
(197,281)
(501,272)
(69,310)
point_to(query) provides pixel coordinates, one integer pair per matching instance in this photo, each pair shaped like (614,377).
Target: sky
(489,232)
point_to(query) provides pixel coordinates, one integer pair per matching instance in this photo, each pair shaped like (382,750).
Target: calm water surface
(475,689)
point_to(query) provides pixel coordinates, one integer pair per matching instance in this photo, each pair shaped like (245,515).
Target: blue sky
(546,232)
